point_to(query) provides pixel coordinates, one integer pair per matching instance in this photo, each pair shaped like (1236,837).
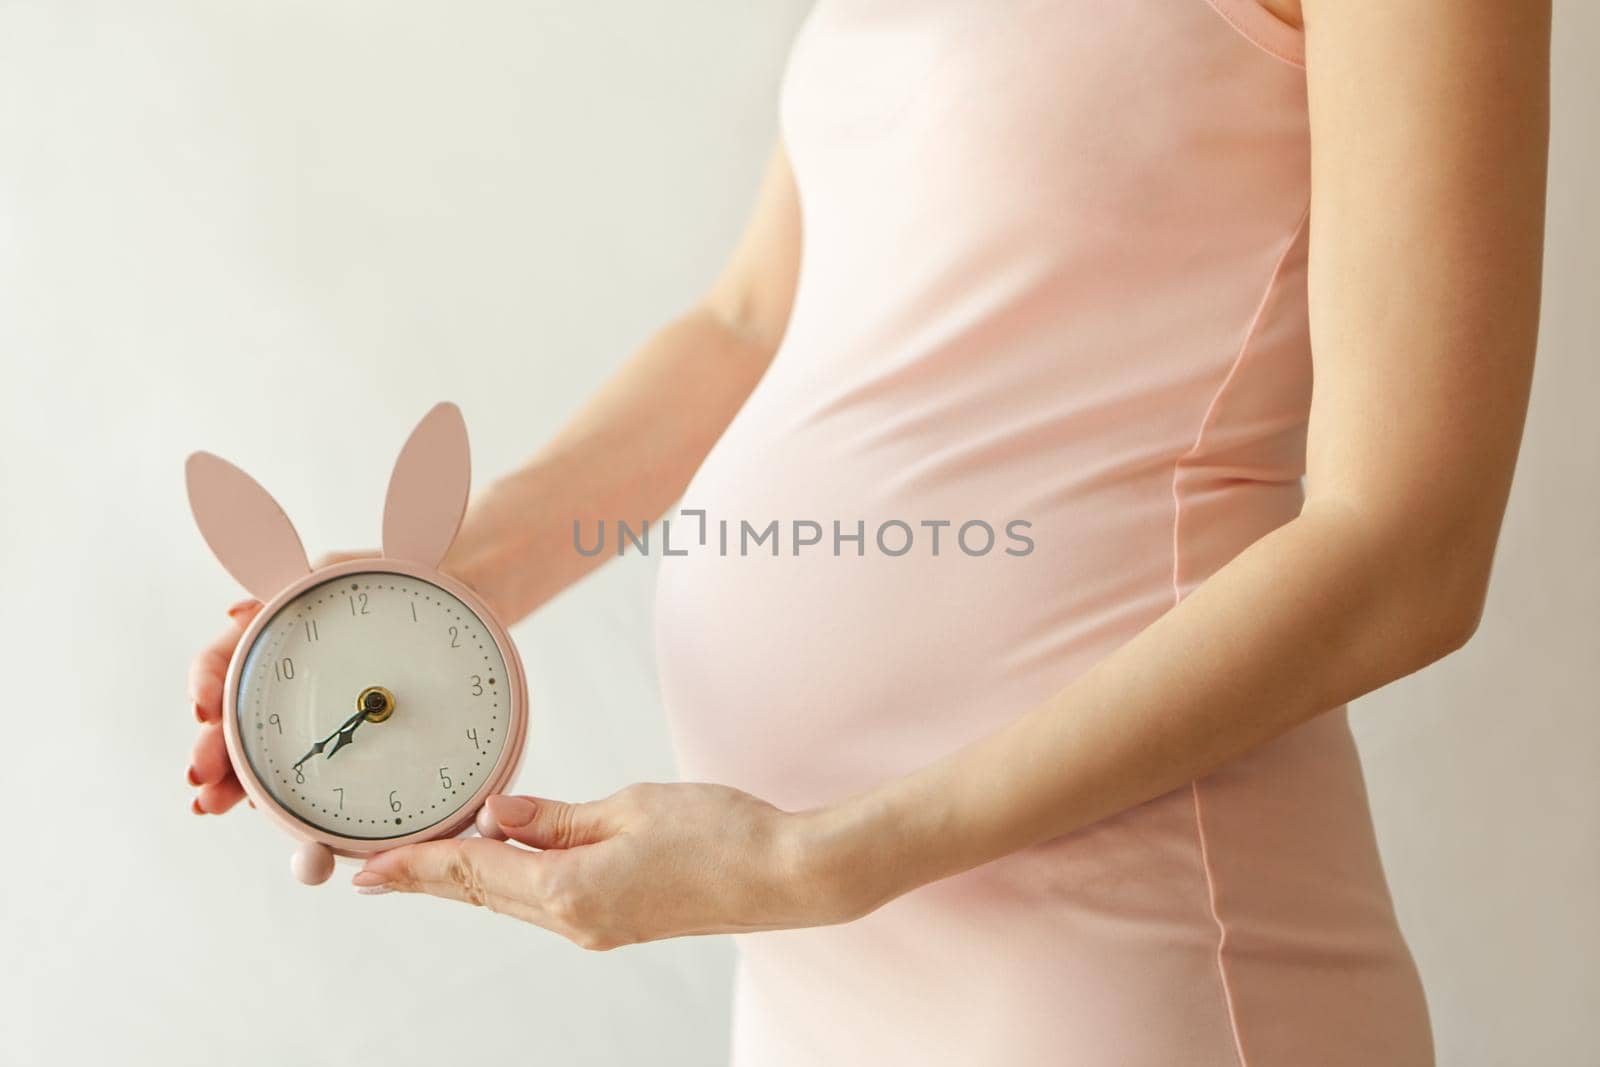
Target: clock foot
(312,863)
(487,827)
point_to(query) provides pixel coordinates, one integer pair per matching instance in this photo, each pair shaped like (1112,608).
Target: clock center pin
(377,702)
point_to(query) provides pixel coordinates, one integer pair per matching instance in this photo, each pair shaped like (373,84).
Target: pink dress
(1054,271)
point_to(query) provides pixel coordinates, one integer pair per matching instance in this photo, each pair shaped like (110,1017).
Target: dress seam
(1206,422)
(1263,29)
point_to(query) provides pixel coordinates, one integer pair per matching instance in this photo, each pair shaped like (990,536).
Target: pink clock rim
(502,774)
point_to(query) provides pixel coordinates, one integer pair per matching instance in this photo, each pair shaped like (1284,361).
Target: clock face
(374,705)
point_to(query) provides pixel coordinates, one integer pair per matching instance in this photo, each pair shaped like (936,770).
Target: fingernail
(194,806)
(240,608)
(374,890)
(199,716)
(511,811)
(370,882)
(194,779)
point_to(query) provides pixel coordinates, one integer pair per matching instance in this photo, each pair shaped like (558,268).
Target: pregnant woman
(1221,315)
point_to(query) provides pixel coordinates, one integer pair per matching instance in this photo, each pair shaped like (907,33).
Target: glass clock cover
(373,705)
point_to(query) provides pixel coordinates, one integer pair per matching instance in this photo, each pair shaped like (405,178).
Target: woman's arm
(1428,125)
(627,455)
(1429,129)
(631,450)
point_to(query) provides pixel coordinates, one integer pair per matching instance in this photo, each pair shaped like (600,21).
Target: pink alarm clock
(376,702)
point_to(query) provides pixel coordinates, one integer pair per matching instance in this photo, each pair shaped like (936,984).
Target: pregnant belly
(820,669)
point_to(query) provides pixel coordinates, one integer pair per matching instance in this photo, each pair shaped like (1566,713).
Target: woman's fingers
(208,762)
(206,673)
(210,667)
(209,768)
(472,870)
(495,875)
(547,823)
(218,797)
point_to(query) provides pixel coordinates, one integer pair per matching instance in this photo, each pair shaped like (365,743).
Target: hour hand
(342,734)
(346,734)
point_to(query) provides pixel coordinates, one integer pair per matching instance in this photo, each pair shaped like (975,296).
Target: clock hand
(349,724)
(347,733)
(375,704)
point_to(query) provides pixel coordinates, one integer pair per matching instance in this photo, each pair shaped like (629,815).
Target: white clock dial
(411,756)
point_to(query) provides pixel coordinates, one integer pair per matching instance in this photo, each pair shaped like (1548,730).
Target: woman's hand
(650,862)
(210,771)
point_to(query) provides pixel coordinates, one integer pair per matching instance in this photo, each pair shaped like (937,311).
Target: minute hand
(345,731)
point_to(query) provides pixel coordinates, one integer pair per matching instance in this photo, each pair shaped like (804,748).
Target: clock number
(394,805)
(275,721)
(358,604)
(340,790)
(284,670)
(472,735)
(477,685)
(444,779)
(455,641)
(299,775)
(311,630)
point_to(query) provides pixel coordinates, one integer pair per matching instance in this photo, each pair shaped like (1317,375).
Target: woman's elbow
(1447,609)
(1426,572)
(1460,625)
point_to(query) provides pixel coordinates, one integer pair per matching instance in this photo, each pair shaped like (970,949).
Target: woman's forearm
(628,454)
(1318,612)
(631,450)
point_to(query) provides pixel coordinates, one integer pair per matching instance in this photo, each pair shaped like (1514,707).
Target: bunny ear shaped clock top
(388,641)
(246,529)
(428,489)
(254,540)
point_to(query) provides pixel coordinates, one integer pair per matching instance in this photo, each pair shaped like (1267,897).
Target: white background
(280,231)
